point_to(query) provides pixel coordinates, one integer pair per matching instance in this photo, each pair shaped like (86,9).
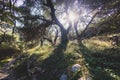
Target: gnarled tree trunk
(64,38)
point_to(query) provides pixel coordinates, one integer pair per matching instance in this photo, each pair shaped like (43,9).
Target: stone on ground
(75,67)
(63,77)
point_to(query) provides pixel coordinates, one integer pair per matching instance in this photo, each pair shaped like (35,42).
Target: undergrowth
(98,60)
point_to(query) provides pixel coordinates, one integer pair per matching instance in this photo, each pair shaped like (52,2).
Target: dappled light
(72,16)
(59,39)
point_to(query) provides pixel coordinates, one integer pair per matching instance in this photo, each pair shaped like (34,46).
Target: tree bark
(76,29)
(56,36)
(64,37)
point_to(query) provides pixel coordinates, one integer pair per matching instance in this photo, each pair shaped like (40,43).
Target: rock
(88,78)
(81,78)
(75,67)
(63,77)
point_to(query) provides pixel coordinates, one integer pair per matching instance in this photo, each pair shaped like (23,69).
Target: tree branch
(81,35)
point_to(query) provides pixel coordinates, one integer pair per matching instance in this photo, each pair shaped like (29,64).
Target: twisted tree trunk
(64,37)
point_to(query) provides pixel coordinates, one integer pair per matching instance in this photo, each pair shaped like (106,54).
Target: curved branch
(87,26)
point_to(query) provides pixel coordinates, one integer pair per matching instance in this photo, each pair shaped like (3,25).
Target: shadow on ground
(54,65)
(8,52)
(49,69)
(103,65)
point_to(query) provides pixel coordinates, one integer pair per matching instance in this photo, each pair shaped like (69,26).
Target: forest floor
(3,73)
(96,56)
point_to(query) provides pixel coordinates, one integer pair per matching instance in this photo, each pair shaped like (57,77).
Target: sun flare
(72,16)
(75,15)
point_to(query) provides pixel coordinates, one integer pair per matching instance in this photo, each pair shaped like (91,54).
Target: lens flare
(72,16)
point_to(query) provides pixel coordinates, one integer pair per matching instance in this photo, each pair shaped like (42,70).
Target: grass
(4,61)
(43,51)
(103,60)
(96,45)
(96,56)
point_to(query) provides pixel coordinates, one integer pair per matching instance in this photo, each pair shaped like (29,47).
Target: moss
(94,56)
